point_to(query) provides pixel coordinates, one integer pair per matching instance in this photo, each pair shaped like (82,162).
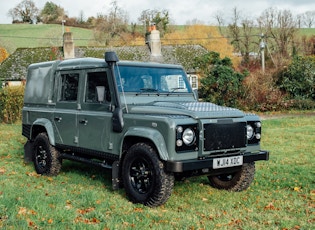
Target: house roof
(15,66)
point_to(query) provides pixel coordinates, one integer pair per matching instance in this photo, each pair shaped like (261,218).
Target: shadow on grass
(88,171)
(104,176)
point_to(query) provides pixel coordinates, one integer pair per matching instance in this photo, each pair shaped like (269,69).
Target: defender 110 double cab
(141,120)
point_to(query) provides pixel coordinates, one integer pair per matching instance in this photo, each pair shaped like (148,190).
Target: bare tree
(110,29)
(219,17)
(309,18)
(280,28)
(194,21)
(25,11)
(81,17)
(241,31)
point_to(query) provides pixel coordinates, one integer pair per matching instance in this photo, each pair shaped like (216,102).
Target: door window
(97,88)
(69,89)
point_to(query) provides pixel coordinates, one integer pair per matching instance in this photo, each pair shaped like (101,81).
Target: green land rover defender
(142,121)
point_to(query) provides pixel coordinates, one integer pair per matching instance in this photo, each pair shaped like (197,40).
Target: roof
(89,63)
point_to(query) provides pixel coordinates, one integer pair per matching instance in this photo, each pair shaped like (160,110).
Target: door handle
(83,121)
(58,119)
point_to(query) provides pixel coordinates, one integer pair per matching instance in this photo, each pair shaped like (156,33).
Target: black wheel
(237,181)
(46,157)
(144,178)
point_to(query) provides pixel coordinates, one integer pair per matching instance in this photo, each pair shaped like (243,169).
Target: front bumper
(198,164)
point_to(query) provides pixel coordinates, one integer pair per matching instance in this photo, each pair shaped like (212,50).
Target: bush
(11,103)
(261,93)
(220,84)
(298,80)
(300,104)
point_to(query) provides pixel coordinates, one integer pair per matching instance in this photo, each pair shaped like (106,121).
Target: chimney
(154,43)
(68,45)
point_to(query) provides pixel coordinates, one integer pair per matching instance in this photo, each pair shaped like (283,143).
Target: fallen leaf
(138,209)
(32,212)
(22,211)
(50,221)
(32,174)
(95,220)
(31,224)
(50,179)
(2,170)
(85,211)
(297,189)
(270,206)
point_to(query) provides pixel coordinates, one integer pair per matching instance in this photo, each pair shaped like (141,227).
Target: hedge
(11,104)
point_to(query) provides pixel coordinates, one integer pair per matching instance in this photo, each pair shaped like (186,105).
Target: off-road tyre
(46,157)
(237,181)
(144,178)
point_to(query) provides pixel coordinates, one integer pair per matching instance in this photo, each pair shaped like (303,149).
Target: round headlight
(188,136)
(250,132)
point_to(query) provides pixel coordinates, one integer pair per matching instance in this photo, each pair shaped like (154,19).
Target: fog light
(179,143)
(257,136)
(179,129)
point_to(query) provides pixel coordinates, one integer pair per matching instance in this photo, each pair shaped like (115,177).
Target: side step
(114,167)
(86,161)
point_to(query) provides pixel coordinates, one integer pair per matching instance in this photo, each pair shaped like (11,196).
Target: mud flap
(28,152)
(115,175)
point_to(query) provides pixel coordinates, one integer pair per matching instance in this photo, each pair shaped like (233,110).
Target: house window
(193,79)
(181,83)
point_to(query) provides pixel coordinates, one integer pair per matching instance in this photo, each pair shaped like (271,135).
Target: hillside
(15,36)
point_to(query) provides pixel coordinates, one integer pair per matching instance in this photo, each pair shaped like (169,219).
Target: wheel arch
(151,136)
(43,125)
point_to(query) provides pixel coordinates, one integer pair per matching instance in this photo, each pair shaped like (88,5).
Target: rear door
(67,106)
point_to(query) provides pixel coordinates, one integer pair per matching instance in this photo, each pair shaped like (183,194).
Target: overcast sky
(180,11)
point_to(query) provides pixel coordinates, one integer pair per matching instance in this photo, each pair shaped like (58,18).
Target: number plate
(225,162)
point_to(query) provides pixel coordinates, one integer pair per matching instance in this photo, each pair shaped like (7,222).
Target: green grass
(80,197)
(26,35)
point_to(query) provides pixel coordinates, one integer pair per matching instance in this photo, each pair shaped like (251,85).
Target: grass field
(41,35)
(80,197)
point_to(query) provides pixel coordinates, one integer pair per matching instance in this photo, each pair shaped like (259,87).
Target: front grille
(224,135)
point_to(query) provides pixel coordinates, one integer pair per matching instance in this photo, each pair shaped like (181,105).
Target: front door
(94,119)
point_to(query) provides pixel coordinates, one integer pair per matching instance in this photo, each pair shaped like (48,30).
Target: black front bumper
(198,164)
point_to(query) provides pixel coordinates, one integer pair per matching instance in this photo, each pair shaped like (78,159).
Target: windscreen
(151,79)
